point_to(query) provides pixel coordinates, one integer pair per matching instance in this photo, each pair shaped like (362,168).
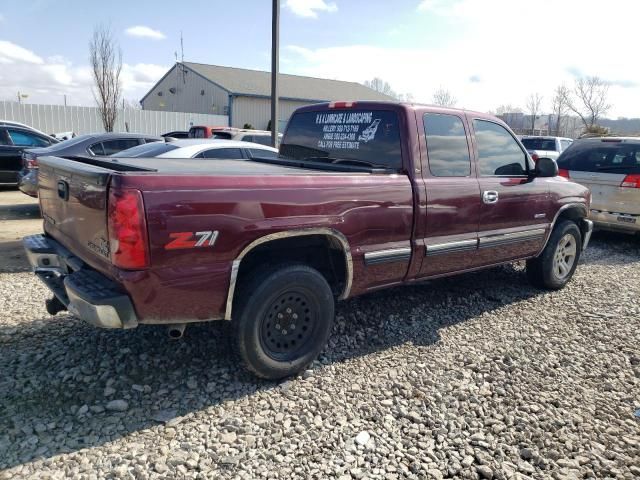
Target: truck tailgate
(73,200)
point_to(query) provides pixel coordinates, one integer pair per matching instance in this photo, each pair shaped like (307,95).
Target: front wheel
(557,264)
(284,320)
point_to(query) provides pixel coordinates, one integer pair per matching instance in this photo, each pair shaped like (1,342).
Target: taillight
(30,160)
(563,173)
(127,229)
(631,181)
(342,104)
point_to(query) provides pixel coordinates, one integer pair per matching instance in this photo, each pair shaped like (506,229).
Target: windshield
(606,157)
(360,136)
(147,150)
(539,144)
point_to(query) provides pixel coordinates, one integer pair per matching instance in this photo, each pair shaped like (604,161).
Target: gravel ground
(479,376)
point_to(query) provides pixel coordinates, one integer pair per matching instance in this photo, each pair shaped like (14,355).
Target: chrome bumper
(86,293)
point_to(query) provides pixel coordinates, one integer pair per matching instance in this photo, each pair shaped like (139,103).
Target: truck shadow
(54,368)
(20,211)
(612,248)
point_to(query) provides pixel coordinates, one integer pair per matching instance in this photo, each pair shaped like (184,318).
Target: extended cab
(364,196)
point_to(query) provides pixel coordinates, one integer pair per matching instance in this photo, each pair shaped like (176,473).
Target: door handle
(490,196)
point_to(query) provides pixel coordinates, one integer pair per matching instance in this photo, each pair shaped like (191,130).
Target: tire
(285,316)
(556,265)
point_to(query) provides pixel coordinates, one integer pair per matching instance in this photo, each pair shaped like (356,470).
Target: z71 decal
(191,240)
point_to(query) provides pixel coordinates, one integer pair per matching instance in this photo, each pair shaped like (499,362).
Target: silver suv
(610,168)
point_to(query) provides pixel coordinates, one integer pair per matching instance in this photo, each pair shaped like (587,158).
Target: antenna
(183,70)
(181,47)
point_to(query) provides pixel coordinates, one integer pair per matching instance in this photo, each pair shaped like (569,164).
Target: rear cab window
(350,136)
(548,144)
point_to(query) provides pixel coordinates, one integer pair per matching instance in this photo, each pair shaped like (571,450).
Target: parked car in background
(176,134)
(200,148)
(270,244)
(546,147)
(98,145)
(64,135)
(610,168)
(11,123)
(14,139)
(229,133)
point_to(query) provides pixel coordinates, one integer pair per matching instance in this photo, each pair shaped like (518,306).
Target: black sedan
(96,145)
(14,139)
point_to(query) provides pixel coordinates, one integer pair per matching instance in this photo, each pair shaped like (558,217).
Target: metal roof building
(244,95)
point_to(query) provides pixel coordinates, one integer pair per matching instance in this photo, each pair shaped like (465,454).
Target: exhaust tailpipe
(176,330)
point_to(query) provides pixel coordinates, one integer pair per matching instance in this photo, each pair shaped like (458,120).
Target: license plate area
(624,219)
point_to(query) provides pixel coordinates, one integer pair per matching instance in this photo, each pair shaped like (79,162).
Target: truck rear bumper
(86,293)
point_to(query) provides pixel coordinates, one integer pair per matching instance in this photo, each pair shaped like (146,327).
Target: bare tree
(106,64)
(444,98)
(590,100)
(379,85)
(559,106)
(508,108)
(534,102)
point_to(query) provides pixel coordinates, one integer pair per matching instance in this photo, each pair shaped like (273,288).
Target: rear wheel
(284,319)
(557,264)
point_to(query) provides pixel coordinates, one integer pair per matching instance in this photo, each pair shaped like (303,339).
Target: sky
(487,53)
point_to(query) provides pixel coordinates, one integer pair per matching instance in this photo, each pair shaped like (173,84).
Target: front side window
(356,137)
(447,146)
(228,153)
(25,139)
(498,152)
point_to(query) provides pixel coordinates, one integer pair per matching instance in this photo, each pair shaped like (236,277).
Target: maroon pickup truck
(363,196)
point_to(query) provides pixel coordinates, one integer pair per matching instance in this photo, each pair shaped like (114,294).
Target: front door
(453,195)
(514,213)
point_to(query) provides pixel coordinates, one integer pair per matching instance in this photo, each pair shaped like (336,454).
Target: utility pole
(275,62)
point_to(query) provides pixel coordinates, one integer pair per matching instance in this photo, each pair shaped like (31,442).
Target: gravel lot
(479,376)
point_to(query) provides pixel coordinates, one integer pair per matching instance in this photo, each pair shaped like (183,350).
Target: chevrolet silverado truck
(363,196)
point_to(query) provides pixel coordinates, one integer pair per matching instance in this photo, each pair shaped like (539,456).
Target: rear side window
(540,144)
(606,157)
(261,139)
(229,153)
(25,139)
(447,146)
(565,144)
(260,153)
(222,135)
(498,152)
(370,136)
(114,146)
(146,150)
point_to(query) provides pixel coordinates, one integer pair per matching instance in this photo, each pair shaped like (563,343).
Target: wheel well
(322,252)
(574,214)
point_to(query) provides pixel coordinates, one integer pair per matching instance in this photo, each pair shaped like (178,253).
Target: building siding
(257,111)
(188,97)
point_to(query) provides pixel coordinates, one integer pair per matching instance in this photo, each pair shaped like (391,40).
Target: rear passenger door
(453,195)
(514,212)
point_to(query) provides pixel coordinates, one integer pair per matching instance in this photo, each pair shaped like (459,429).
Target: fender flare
(334,235)
(580,206)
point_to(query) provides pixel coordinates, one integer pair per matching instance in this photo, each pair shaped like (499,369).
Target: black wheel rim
(288,327)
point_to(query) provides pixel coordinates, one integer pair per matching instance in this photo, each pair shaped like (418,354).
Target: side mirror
(546,167)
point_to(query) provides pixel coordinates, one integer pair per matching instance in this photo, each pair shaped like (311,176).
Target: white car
(200,148)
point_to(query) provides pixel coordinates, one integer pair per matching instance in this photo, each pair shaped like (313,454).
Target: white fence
(60,118)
